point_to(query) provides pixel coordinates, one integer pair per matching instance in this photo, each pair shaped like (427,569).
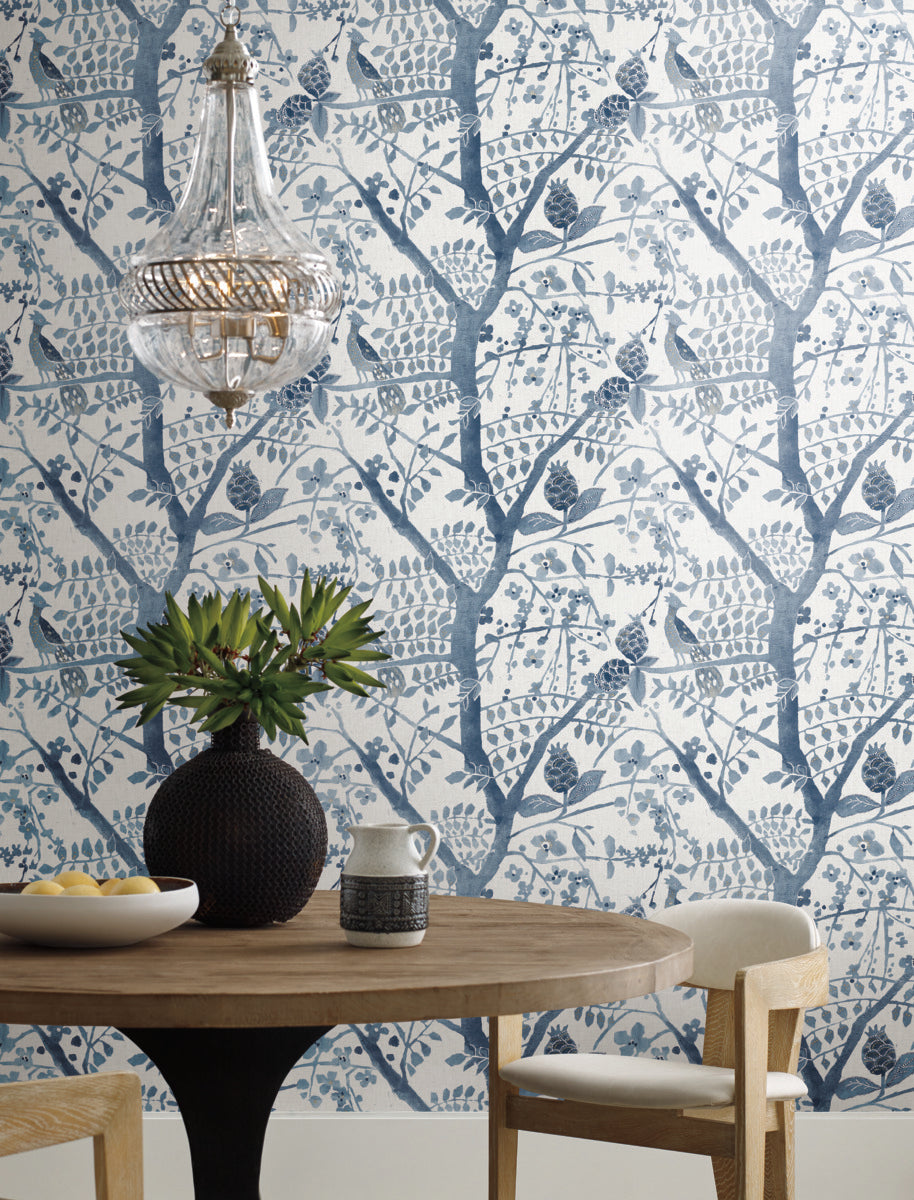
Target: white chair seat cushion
(626,1081)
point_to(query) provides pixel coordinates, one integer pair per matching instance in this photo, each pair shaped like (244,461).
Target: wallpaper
(615,429)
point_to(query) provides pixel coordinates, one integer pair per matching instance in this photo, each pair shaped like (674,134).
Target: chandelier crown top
(231,61)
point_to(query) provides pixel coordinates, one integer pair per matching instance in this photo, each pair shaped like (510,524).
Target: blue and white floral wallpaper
(629,472)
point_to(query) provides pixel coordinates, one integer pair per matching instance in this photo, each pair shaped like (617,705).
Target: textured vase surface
(244,825)
(384,887)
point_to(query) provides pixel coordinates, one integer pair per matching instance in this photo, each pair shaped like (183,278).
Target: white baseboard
(442,1156)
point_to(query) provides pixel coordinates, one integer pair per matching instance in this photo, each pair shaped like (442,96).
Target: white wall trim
(442,1156)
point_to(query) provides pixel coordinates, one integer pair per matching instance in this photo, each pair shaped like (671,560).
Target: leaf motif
(578,844)
(902,787)
(896,844)
(587,219)
(537,239)
(904,219)
(636,403)
(855,522)
(636,684)
(577,561)
(319,402)
(538,522)
(847,1089)
(585,503)
(896,564)
(4,686)
(589,782)
(220,522)
(902,504)
(268,503)
(636,120)
(855,805)
(534,806)
(319,120)
(855,239)
(902,1069)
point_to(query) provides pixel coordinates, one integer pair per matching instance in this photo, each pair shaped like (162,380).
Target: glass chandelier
(229,298)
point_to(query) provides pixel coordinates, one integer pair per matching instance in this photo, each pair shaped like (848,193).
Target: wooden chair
(762,965)
(105,1107)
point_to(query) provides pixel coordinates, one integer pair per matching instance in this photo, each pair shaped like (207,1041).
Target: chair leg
(118,1147)
(780,1158)
(724,1178)
(505,1045)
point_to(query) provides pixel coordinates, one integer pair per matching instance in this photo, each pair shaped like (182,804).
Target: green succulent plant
(224,661)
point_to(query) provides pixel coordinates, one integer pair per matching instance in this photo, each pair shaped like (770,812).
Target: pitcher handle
(434,838)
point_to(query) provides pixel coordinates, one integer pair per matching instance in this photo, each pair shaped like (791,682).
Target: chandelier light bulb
(229,298)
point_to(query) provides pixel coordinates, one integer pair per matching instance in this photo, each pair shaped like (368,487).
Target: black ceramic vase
(244,825)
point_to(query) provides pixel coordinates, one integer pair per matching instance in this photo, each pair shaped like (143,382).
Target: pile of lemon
(78,883)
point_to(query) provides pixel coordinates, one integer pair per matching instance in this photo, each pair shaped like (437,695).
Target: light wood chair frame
(106,1107)
(753,1029)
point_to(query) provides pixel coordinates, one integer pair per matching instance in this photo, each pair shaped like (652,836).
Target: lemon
(83,889)
(107,886)
(42,887)
(68,879)
(134,885)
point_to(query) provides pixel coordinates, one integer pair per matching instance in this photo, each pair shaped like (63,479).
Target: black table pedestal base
(225,1082)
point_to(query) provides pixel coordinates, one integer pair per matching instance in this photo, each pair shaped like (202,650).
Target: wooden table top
(478,958)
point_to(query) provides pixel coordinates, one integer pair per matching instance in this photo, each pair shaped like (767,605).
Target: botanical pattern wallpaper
(616,428)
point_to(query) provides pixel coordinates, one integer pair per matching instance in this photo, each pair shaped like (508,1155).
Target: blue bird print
(47,358)
(367,78)
(368,363)
(683,76)
(686,646)
(51,82)
(685,362)
(45,638)
(47,75)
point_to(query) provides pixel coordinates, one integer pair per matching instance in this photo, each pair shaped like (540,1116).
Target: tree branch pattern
(631,482)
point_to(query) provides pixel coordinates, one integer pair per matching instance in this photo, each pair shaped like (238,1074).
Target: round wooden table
(226,1013)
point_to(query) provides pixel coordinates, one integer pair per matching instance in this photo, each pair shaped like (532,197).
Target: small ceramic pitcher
(384,887)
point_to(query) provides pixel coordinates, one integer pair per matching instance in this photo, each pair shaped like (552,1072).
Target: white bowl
(83,922)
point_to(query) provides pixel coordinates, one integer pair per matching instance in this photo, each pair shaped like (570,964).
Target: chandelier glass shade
(229,297)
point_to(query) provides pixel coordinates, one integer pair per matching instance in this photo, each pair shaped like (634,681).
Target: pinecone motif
(878,205)
(632,76)
(314,76)
(878,1052)
(6,359)
(613,112)
(6,641)
(561,771)
(243,490)
(878,771)
(878,488)
(317,373)
(561,208)
(74,116)
(294,396)
(74,399)
(74,682)
(391,116)
(294,112)
(631,359)
(613,393)
(631,640)
(612,676)
(6,76)
(560,1041)
(561,491)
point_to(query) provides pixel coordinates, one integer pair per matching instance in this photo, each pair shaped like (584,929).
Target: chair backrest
(730,934)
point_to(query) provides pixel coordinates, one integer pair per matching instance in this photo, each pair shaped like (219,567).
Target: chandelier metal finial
(230,298)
